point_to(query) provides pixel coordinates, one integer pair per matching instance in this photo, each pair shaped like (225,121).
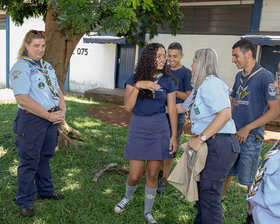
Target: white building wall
(93,69)
(2,58)
(221,43)
(97,67)
(270,16)
(17,34)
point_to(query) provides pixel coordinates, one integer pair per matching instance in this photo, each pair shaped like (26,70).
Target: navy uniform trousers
(222,152)
(36,142)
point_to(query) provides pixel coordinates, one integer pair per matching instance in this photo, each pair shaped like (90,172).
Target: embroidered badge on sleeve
(15,74)
(271,89)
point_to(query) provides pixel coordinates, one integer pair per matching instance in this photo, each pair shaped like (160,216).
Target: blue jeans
(246,165)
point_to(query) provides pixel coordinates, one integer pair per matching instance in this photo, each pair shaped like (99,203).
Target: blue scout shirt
(253,105)
(212,97)
(26,79)
(266,201)
(149,107)
(183,76)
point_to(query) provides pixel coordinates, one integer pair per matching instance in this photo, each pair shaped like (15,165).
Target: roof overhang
(108,38)
(264,38)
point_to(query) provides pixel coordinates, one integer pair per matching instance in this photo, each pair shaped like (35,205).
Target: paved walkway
(6,96)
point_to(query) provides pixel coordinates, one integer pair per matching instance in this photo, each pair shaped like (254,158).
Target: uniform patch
(50,67)
(15,76)
(41,85)
(271,89)
(16,72)
(33,71)
(196,110)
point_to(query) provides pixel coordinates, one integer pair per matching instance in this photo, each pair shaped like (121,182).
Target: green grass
(72,172)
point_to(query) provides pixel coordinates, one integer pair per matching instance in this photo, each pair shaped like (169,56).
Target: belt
(53,109)
(221,134)
(50,110)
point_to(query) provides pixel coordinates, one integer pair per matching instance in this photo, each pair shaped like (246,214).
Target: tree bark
(60,46)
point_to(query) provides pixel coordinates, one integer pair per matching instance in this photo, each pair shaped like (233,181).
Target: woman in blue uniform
(41,108)
(148,91)
(209,110)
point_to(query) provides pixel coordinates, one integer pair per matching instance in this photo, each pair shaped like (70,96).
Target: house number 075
(82,51)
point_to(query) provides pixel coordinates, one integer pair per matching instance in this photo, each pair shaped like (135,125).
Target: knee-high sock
(130,191)
(150,196)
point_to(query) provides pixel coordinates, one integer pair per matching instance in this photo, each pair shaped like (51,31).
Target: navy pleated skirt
(148,138)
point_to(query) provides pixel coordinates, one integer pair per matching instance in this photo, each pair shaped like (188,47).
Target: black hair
(175,46)
(246,45)
(146,67)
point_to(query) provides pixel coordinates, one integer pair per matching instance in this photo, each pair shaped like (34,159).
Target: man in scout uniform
(254,103)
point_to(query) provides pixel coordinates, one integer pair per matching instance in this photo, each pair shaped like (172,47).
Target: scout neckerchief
(156,81)
(158,77)
(243,91)
(187,114)
(45,73)
(259,175)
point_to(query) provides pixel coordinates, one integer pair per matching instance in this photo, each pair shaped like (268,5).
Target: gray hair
(206,64)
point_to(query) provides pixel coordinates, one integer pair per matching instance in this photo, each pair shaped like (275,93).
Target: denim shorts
(246,165)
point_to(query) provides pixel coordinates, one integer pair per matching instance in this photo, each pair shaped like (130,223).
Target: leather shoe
(54,196)
(27,212)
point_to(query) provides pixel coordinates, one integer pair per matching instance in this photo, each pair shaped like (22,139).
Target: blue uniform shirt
(183,76)
(26,79)
(266,201)
(212,97)
(252,106)
(149,107)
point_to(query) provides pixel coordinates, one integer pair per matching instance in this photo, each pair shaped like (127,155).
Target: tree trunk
(60,47)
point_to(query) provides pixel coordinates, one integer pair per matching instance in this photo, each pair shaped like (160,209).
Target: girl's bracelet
(136,86)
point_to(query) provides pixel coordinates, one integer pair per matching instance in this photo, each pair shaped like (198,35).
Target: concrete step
(110,95)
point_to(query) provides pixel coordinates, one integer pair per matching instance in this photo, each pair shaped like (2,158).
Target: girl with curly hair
(148,91)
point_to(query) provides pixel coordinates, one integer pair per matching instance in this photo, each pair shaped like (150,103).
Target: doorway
(125,63)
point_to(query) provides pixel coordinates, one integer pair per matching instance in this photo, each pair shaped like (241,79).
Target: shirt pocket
(199,109)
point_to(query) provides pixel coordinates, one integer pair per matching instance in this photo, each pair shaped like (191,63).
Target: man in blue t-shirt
(254,103)
(183,76)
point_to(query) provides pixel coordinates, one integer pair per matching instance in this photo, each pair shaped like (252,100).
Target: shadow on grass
(73,169)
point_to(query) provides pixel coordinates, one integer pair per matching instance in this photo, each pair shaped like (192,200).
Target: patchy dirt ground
(116,114)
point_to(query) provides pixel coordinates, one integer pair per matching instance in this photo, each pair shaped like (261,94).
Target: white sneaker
(119,207)
(149,218)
